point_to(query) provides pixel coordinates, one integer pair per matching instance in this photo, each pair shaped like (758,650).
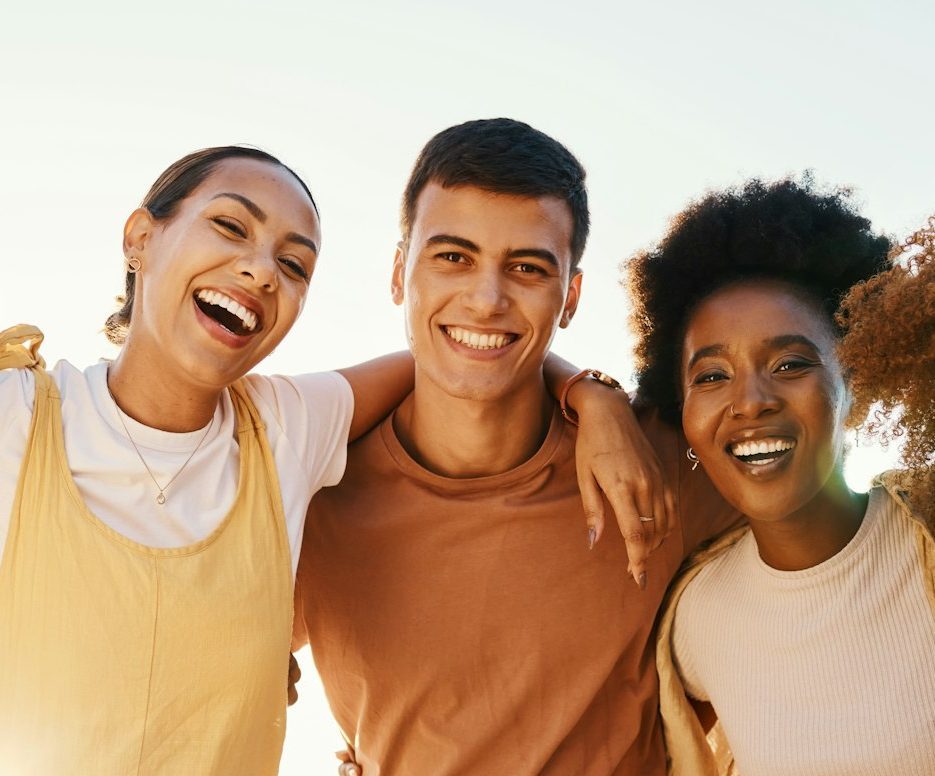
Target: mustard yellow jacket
(690,751)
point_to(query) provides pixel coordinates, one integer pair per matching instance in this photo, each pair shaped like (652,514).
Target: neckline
(147,437)
(54,418)
(830,566)
(558,428)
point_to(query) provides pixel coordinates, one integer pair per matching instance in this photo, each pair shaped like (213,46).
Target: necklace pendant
(161,498)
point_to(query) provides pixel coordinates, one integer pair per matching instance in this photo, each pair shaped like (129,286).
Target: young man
(459,623)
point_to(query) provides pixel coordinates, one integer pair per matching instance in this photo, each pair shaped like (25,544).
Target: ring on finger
(649,519)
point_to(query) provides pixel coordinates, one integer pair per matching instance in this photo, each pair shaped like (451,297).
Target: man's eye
(528,269)
(451,256)
(230,225)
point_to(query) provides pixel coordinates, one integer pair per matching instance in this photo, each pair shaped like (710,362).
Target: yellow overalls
(117,658)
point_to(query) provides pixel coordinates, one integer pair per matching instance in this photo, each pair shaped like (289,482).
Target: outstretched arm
(615,460)
(379,386)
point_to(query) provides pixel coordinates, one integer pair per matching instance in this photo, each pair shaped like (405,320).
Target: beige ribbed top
(829,671)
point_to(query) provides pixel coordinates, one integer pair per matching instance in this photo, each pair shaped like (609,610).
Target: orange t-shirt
(462,626)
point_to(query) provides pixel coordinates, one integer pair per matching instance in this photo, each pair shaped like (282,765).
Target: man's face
(485,279)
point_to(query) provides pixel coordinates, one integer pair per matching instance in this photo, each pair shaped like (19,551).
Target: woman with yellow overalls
(146,580)
(151,508)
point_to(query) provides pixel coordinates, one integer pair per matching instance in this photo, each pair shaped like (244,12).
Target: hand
(347,767)
(295,673)
(614,459)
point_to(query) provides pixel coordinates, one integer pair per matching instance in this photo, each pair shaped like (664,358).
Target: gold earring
(134,265)
(692,456)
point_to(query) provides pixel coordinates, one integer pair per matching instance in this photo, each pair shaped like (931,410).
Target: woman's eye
(793,364)
(708,377)
(230,225)
(293,266)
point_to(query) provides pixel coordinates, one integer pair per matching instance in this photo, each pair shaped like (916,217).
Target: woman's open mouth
(227,312)
(761,452)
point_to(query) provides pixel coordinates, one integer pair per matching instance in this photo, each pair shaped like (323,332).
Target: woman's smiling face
(764,397)
(225,277)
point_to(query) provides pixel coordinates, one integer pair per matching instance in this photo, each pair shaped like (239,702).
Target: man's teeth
(478,341)
(247,317)
(761,447)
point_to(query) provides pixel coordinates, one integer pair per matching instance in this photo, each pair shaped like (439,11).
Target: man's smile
(488,340)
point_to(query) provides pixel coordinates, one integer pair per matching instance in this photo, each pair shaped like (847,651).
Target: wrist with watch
(585,374)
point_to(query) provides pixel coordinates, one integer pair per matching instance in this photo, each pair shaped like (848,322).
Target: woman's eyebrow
(709,350)
(255,210)
(783,340)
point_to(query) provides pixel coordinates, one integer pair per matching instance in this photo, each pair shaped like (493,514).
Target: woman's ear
(137,231)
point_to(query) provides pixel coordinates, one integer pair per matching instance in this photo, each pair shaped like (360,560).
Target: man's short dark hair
(503,156)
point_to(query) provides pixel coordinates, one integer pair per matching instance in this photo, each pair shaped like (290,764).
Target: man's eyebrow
(450,239)
(254,209)
(709,350)
(298,238)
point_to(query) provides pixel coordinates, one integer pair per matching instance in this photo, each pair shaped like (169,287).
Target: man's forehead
(492,217)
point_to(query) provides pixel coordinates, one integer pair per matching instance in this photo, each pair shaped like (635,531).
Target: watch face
(605,378)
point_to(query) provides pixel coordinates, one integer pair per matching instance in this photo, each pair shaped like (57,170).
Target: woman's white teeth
(247,317)
(478,341)
(761,447)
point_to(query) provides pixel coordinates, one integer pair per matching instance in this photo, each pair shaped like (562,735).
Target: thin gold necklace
(161,498)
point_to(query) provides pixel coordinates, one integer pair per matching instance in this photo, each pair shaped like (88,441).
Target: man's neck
(463,438)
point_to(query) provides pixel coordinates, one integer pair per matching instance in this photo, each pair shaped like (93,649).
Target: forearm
(379,386)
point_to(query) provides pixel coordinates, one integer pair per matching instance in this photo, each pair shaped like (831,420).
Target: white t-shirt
(307,420)
(829,670)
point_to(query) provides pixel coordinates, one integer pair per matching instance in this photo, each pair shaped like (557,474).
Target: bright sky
(660,101)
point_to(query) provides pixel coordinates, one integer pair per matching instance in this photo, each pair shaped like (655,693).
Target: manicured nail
(592,537)
(641,580)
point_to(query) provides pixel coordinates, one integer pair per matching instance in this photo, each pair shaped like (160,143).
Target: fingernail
(641,580)
(592,537)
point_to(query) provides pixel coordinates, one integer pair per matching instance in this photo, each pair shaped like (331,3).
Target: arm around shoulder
(379,386)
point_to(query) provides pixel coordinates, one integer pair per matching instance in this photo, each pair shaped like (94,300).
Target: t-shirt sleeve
(313,412)
(17,395)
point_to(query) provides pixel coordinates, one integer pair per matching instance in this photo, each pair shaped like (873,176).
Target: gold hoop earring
(134,265)
(692,456)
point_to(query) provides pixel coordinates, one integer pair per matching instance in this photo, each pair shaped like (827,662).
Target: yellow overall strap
(15,353)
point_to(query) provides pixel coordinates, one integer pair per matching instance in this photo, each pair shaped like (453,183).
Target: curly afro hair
(888,352)
(786,230)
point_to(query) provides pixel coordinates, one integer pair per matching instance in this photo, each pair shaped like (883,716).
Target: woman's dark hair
(179,180)
(787,230)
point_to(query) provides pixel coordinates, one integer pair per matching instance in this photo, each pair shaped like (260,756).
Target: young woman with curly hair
(808,633)
(888,352)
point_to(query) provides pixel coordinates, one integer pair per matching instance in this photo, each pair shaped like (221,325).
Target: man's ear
(137,231)
(571,299)
(399,274)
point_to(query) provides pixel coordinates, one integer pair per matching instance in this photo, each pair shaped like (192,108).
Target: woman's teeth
(248,319)
(762,451)
(478,341)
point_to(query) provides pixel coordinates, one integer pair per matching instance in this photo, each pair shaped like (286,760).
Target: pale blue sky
(659,101)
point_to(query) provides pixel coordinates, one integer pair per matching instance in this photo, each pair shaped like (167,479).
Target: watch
(592,374)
